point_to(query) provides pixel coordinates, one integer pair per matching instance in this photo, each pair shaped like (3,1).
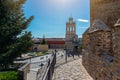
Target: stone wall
(96,54)
(43,47)
(116,51)
(101,42)
(24,70)
(106,10)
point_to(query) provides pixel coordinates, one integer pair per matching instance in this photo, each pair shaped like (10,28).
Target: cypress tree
(43,40)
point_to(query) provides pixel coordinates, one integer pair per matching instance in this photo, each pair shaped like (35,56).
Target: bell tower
(70,29)
(70,33)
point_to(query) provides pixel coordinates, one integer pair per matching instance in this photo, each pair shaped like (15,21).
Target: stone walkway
(72,70)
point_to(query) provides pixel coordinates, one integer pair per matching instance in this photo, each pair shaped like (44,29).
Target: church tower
(71,36)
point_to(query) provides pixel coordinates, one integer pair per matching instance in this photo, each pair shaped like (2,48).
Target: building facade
(53,43)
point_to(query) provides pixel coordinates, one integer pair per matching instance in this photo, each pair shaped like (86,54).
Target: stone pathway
(72,70)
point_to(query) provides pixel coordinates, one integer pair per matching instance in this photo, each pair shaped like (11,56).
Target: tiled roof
(55,39)
(48,39)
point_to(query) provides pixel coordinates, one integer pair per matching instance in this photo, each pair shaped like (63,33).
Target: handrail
(49,69)
(24,66)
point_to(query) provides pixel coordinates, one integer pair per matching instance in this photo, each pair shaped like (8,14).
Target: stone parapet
(116,50)
(101,42)
(101,53)
(24,70)
(96,54)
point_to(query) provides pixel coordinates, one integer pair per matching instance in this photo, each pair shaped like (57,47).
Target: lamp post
(66,54)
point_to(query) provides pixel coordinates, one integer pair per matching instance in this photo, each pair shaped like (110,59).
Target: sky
(50,17)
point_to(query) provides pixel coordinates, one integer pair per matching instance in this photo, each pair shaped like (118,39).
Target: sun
(62,2)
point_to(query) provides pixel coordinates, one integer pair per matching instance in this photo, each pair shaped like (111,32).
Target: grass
(9,75)
(41,53)
(34,54)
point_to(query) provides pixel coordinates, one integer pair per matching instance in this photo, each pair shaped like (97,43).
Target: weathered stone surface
(71,36)
(101,42)
(71,71)
(106,10)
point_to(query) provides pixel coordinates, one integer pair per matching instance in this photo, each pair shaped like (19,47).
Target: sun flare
(62,2)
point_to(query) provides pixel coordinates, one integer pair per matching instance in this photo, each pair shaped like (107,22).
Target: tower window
(73,28)
(67,29)
(70,29)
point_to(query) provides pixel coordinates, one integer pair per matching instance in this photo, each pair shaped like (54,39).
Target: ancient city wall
(116,51)
(106,10)
(101,42)
(96,54)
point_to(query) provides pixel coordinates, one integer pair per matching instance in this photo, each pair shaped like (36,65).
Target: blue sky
(50,16)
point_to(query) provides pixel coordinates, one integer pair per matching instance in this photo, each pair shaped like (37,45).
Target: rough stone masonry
(101,41)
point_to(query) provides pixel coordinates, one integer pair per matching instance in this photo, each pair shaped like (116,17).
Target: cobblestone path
(73,70)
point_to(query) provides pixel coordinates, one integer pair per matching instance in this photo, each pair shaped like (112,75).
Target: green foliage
(81,47)
(76,47)
(44,52)
(14,39)
(41,53)
(43,40)
(9,75)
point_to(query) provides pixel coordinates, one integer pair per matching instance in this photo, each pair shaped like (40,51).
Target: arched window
(70,29)
(73,28)
(67,29)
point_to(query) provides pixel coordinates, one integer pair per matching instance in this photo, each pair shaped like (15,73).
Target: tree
(43,40)
(14,39)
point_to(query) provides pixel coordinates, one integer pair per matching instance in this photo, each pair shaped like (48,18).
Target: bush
(81,47)
(9,75)
(41,53)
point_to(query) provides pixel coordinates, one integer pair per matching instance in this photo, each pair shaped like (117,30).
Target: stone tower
(106,10)
(71,36)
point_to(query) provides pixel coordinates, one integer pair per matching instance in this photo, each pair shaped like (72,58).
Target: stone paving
(73,70)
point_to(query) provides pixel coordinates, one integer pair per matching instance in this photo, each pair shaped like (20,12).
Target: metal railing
(49,69)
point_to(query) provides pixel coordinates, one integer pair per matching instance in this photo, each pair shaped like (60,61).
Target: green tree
(43,40)
(14,39)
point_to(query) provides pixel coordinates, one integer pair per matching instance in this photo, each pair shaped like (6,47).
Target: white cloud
(82,20)
(82,27)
